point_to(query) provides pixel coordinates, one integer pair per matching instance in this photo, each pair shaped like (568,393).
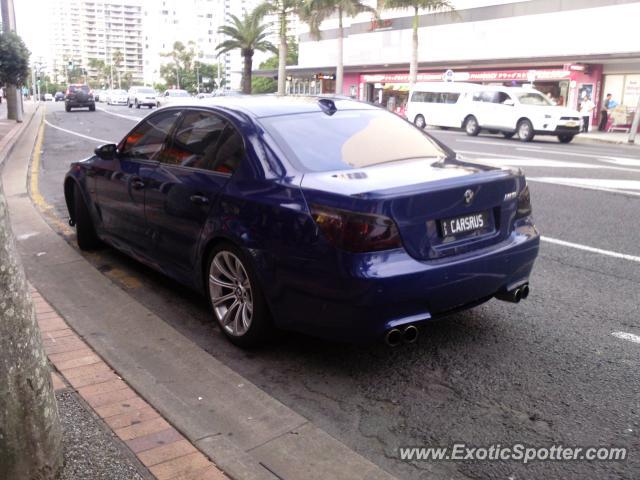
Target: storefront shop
(566,85)
(625,91)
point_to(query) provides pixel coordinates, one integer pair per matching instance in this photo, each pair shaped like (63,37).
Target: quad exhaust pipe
(515,295)
(396,336)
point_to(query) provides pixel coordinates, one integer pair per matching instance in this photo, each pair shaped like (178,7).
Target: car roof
(272,105)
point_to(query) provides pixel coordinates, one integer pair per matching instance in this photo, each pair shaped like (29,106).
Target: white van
(524,112)
(437,103)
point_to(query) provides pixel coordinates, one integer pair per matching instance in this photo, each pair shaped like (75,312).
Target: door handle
(137,184)
(199,199)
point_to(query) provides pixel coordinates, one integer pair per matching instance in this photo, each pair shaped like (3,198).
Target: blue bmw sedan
(321,215)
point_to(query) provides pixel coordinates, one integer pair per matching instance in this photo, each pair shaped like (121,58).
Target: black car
(59,97)
(79,96)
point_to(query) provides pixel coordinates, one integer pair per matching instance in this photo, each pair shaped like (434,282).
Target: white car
(48,97)
(437,103)
(141,96)
(117,97)
(174,95)
(524,112)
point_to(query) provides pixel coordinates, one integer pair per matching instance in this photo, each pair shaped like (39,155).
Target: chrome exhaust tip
(393,338)
(524,292)
(517,295)
(410,334)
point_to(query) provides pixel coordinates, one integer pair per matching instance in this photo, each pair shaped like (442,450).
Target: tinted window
(146,90)
(205,140)
(501,97)
(348,139)
(418,97)
(533,98)
(146,141)
(452,97)
(75,88)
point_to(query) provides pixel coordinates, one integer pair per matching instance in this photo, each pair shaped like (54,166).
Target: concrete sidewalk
(248,434)
(606,137)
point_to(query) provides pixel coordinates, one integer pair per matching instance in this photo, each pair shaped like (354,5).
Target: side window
(452,97)
(205,140)
(148,138)
(418,97)
(477,96)
(487,97)
(501,97)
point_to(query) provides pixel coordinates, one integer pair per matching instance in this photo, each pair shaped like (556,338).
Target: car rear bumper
(76,103)
(360,297)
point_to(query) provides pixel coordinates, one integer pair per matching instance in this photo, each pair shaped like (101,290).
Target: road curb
(246,432)
(9,141)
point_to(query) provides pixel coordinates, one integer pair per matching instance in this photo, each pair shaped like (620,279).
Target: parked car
(99,95)
(117,97)
(325,216)
(59,97)
(79,96)
(172,96)
(523,112)
(141,97)
(202,95)
(437,103)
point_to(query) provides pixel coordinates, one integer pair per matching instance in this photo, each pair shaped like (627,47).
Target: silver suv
(140,96)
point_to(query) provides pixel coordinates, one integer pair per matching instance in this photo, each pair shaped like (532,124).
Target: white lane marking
(71,132)
(603,185)
(502,159)
(481,142)
(600,251)
(627,336)
(25,236)
(128,117)
(632,162)
(598,156)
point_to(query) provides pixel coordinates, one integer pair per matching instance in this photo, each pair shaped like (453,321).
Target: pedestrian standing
(607,104)
(586,108)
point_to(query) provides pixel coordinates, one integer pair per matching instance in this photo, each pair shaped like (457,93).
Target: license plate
(465,224)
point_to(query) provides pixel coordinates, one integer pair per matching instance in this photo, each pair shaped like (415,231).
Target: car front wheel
(85,231)
(236,298)
(565,138)
(471,126)
(419,122)
(525,130)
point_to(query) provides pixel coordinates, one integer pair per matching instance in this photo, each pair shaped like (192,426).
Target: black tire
(85,231)
(565,138)
(67,108)
(260,329)
(129,104)
(420,122)
(92,108)
(525,130)
(508,134)
(137,104)
(150,106)
(471,126)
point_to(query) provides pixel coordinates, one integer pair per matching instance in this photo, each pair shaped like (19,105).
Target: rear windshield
(146,90)
(348,139)
(74,88)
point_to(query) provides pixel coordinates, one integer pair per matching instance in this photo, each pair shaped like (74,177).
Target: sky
(32,25)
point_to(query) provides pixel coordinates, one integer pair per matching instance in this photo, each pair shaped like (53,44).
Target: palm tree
(247,34)
(314,12)
(417,6)
(282,9)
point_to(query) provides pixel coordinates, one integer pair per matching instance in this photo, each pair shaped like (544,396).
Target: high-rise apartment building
(107,30)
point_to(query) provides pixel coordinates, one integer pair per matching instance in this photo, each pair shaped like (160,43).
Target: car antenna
(328,106)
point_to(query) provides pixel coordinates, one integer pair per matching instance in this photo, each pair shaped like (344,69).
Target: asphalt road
(546,371)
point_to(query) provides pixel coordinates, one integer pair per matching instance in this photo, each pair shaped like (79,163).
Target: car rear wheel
(129,104)
(137,104)
(85,231)
(419,122)
(235,297)
(565,138)
(92,108)
(525,130)
(471,126)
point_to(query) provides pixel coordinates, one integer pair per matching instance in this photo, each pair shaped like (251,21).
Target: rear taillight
(356,232)
(524,203)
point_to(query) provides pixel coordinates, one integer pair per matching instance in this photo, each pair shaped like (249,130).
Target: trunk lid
(427,200)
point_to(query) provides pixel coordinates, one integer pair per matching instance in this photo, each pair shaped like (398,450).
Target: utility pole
(635,124)
(14,94)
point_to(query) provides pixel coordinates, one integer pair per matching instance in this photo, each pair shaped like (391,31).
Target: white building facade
(567,48)
(82,30)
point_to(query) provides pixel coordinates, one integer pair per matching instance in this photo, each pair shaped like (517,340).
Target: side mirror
(107,151)
(509,102)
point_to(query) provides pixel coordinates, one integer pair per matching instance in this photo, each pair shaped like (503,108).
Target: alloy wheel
(231,294)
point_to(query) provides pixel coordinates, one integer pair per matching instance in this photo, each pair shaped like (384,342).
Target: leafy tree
(268,84)
(182,57)
(116,60)
(14,59)
(248,35)
(282,9)
(314,12)
(417,6)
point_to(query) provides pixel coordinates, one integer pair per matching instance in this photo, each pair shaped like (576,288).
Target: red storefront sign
(465,76)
